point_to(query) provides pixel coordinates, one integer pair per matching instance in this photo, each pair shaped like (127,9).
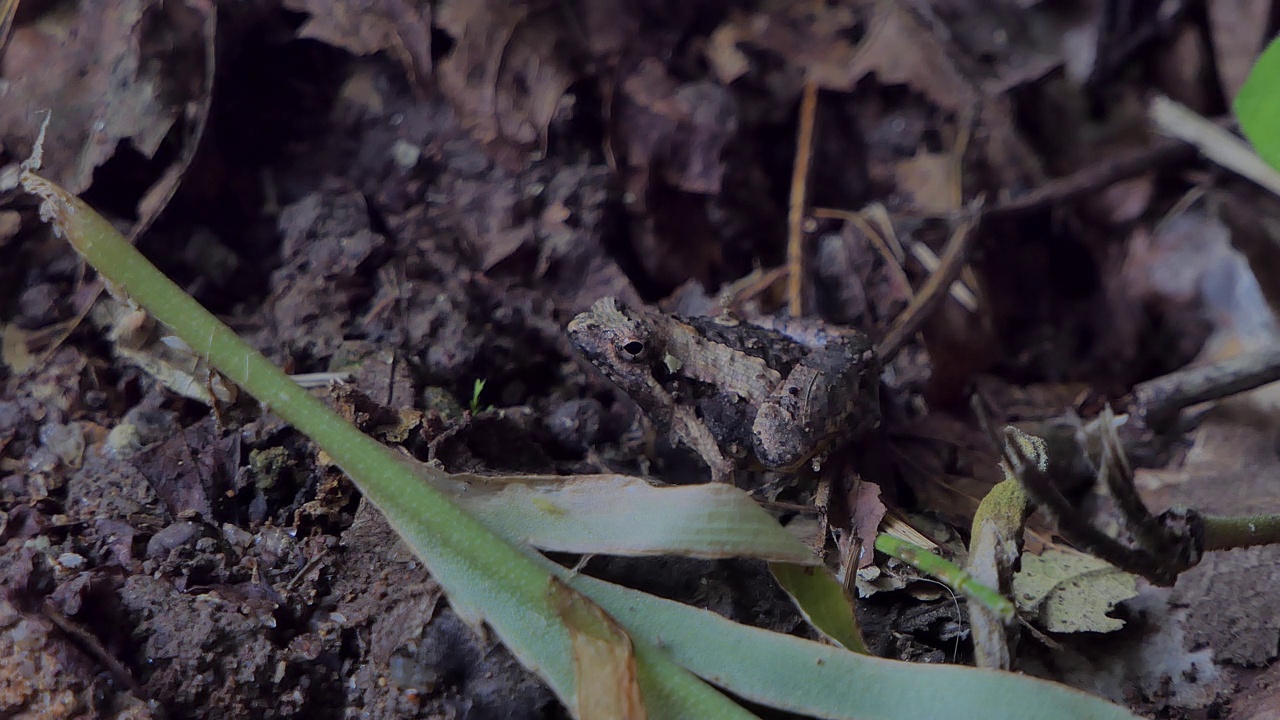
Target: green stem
(1226,533)
(945,572)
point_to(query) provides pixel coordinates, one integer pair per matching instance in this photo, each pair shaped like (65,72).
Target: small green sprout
(476,389)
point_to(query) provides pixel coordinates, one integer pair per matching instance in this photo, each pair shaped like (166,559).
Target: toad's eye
(632,349)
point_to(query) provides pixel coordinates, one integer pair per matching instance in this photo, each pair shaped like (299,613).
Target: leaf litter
(444,186)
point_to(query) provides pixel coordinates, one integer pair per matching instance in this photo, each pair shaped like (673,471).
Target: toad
(774,394)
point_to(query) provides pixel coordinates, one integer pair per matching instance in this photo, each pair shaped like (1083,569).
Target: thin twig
(959,292)
(955,176)
(1117,474)
(932,293)
(822,501)
(879,240)
(1091,179)
(1157,548)
(1163,537)
(868,230)
(1077,528)
(1157,402)
(799,199)
(89,643)
(310,565)
(1217,144)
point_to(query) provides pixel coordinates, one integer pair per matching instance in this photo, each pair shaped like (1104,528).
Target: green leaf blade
(1257,107)
(802,676)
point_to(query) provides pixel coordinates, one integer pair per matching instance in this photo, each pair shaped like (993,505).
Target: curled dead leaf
(139,54)
(364,27)
(678,129)
(506,75)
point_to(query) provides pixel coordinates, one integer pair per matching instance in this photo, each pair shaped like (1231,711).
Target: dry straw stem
(1220,146)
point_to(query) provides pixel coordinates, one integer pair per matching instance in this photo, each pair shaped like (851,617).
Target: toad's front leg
(693,432)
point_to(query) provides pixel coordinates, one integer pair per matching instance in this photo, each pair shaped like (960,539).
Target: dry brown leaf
(10,223)
(1183,69)
(894,45)
(815,40)
(1007,43)
(812,37)
(929,179)
(931,69)
(609,27)
(608,686)
(139,341)
(192,470)
(364,27)
(8,9)
(469,76)
(868,510)
(109,72)
(531,83)
(13,349)
(928,68)
(678,128)
(1125,201)
(196,116)
(505,74)
(1239,30)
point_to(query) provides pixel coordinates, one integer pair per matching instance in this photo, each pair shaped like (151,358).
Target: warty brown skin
(733,391)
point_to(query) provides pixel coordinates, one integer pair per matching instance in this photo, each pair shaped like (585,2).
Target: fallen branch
(1157,402)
